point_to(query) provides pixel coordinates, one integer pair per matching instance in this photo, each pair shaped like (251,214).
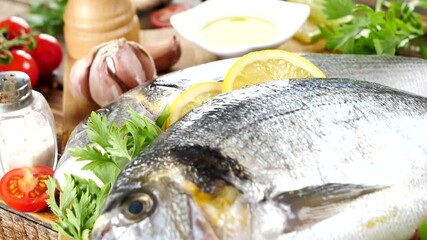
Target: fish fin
(313,204)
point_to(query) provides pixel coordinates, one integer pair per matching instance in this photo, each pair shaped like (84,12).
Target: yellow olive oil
(234,32)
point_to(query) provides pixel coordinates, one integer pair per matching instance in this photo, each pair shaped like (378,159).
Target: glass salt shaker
(27,127)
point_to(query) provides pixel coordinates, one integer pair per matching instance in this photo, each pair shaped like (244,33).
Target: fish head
(144,211)
(168,205)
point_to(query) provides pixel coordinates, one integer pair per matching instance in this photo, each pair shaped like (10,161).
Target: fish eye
(138,206)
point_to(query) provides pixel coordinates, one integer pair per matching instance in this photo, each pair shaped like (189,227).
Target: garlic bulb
(111,69)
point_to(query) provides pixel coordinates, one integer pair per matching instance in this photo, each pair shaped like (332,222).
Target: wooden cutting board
(16,225)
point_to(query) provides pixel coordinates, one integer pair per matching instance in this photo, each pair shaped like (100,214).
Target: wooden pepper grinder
(88,23)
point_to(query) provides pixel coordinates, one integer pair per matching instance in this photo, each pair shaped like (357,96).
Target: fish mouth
(201,227)
(106,228)
(102,228)
(224,215)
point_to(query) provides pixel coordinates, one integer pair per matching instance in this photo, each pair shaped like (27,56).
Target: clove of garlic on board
(165,53)
(116,67)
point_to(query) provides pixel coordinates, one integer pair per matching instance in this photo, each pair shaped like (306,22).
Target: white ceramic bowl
(287,17)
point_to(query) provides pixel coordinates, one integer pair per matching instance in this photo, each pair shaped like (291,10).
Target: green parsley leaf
(338,8)
(51,187)
(47,15)
(98,129)
(422,230)
(115,147)
(81,204)
(392,26)
(117,144)
(163,116)
(100,164)
(421,3)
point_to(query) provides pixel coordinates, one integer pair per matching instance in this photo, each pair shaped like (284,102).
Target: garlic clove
(79,77)
(104,89)
(133,66)
(146,60)
(165,53)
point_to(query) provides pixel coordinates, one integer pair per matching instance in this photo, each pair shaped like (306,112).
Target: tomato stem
(26,41)
(5,57)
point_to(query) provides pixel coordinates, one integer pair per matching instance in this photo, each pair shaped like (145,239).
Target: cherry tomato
(24,190)
(161,18)
(47,54)
(22,61)
(15,25)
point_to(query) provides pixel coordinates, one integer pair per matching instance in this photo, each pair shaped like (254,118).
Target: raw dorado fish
(404,73)
(299,159)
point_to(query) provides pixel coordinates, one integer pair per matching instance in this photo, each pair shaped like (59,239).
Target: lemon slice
(192,97)
(266,65)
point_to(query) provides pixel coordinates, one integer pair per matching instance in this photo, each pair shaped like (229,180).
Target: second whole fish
(298,159)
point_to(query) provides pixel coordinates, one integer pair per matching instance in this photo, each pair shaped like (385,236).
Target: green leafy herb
(115,147)
(338,8)
(47,15)
(163,116)
(422,4)
(422,231)
(82,200)
(390,27)
(81,204)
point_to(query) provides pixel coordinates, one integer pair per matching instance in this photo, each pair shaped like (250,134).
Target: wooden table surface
(14,225)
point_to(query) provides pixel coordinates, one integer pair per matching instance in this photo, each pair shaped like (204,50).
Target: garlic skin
(79,76)
(110,70)
(165,53)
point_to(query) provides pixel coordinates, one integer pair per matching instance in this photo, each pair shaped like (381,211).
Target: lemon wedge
(266,65)
(192,97)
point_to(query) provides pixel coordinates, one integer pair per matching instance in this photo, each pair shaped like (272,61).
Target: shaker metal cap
(15,91)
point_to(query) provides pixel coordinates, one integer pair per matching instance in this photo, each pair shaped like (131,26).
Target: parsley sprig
(82,200)
(81,204)
(47,15)
(114,147)
(390,27)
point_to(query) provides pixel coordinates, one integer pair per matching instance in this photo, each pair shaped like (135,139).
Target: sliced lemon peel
(267,65)
(192,97)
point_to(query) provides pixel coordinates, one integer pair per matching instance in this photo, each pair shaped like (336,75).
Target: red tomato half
(47,54)
(24,190)
(15,25)
(22,61)
(161,18)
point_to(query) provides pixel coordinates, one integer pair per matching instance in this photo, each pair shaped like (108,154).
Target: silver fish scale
(309,132)
(405,73)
